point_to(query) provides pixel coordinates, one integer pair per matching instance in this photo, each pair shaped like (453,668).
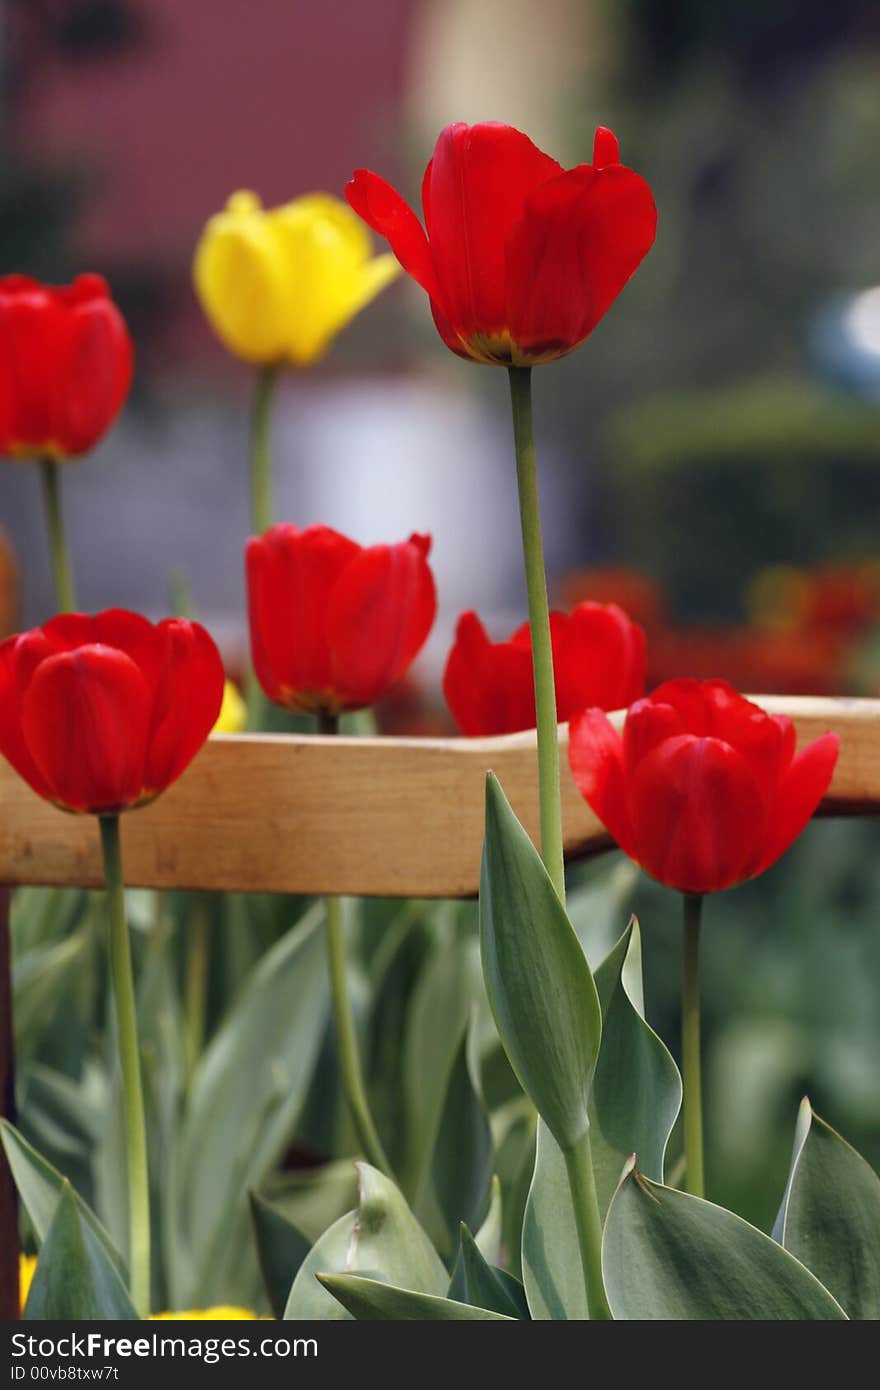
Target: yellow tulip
(233,711)
(278,284)
(222,1313)
(26,1266)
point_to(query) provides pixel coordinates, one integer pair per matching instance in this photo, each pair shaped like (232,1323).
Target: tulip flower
(27,1264)
(333,624)
(233,711)
(704,790)
(277,285)
(99,715)
(598,659)
(65,371)
(521,257)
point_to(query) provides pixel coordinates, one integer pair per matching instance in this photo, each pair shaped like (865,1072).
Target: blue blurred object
(845,341)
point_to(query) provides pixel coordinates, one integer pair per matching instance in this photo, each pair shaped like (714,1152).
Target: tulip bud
(278,284)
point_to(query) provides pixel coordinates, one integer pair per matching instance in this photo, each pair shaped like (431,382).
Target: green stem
(690,1039)
(261,464)
(132,1091)
(343,1016)
(579,1165)
(539,625)
(196,981)
(57,544)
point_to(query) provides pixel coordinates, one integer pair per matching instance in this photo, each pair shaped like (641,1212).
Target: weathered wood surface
(397,817)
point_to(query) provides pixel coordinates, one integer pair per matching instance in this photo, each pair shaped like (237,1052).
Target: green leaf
(830,1215)
(462,1164)
(636,1093)
(281,1249)
(669,1256)
(75,1280)
(488,1237)
(248,1088)
(552,1271)
(40,1187)
(634,1102)
(475,1281)
(368,1300)
(381,1236)
(539,984)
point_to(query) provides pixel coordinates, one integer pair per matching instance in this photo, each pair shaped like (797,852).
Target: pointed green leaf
(248,1089)
(75,1279)
(488,1237)
(634,1102)
(539,984)
(382,1236)
(367,1300)
(476,1282)
(669,1256)
(636,1093)
(830,1215)
(40,1187)
(462,1163)
(281,1249)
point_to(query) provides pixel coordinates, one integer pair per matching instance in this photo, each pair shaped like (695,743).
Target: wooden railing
(375,817)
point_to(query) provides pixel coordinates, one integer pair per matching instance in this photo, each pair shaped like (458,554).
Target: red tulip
(598,659)
(335,624)
(704,789)
(65,366)
(521,258)
(101,714)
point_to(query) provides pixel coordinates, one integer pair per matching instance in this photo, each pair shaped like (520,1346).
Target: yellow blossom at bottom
(222,1313)
(233,712)
(26,1266)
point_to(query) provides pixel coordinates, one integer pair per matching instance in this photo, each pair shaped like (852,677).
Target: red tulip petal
(580,239)
(648,724)
(800,791)
(595,755)
(186,701)
(12,742)
(479,179)
(606,148)
(94,372)
(30,343)
(599,659)
(697,815)
(84,719)
(383,209)
(378,617)
(133,634)
(291,575)
(489,687)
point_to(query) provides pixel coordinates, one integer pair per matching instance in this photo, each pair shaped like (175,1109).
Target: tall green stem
(578,1161)
(579,1165)
(196,980)
(261,463)
(539,624)
(343,1016)
(132,1091)
(690,1047)
(61,572)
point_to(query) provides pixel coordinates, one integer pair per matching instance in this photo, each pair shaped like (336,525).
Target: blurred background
(710,459)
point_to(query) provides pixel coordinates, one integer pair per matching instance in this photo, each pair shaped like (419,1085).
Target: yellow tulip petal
(26,1266)
(242,280)
(221,1313)
(233,711)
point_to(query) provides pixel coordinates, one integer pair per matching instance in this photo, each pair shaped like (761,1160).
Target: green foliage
(75,1280)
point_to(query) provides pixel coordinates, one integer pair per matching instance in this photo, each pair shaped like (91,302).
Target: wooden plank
(396,817)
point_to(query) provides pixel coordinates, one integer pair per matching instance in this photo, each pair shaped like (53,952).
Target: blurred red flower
(102,713)
(334,624)
(521,258)
(65,366)
(704,789)
(598,659)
